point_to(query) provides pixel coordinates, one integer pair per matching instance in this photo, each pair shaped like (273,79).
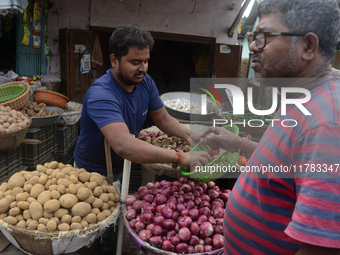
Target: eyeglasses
(260,38)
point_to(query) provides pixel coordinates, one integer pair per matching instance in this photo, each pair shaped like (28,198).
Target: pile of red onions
(182,216)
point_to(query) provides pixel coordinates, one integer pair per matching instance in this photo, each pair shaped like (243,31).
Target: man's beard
(123,78)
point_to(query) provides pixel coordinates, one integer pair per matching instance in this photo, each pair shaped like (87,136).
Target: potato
(41,168)
(42,227)
(64,181)
(96,179)
(23,205)
(76,219)
(44,197)
(33,225)
(34,180)
(14,211)
(97,203)
(60,175)
(98,191)
(28,221)
(55,219)
(22,196)
(74,178)
(55,194)
(92,185)
(63,227)
(101,216)
(91,218)
(83,193)
(105,206)
(68,200)
(2,194)
(28,187)
(60,212)
(81,209)
(48,215)
(76,225)
(106,212)
(95,210)
(16,191)
(31,199)
(90,199)
(43,179)
(52,205)
(13,204)
(51,225)
(27,214)
(67,170)
(53,165)
(61,189)
(72,188)
(53,187)
(43,221)
(4,204)
(36,210)
(16,181)
(84,224)
(84,177)
(66,219)
(11,220)
(104,197)
(19,217)
(21,224)
(3,215)
(36,190)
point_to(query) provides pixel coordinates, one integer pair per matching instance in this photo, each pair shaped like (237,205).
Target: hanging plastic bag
(97,56)
(27,34)
(36,25)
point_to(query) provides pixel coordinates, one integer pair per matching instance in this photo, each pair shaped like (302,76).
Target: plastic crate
(66,157)
(9,158)
(67,137)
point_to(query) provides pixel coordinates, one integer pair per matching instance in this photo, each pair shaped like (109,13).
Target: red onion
(208,248)
(132,223)
(211,184)
(218,229)
(202,219)
(158,220)
(203,185)
(175,240)
(185,188)
(204,204)
(175,215)
(169,224)
(219,221)
(146,217)
(184,234)
(167,245)
(167,191)
(171,205)
(183,179)
(212,220)
(206,229)
(213,194)
(160,199)
(137,205)
(172,199)
(194,228)
(139,225)
(184,221)
(164,183)
(156,185)
(167,212)
(199,190)
(220,201)
(204,211)
(148,197)
(148,208)
(180,199)
(217,212)
(185,212)
(205,198)
(145,234)
(130,214)
(170,234)
(176,183)
(155,191)
(150,185)
(188,196)
(216,204)
(190,249)
(180,207)
(208,241)
(159,208)
(190,204)
(129,200)
(218,241)
(199,248)
(197,200)
(150,227)
(194,214)
(182,247)
(224,196)
(156,241)
(194,240)
(142,191)
(157,230)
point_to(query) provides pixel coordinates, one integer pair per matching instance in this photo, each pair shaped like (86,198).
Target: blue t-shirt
(107,102)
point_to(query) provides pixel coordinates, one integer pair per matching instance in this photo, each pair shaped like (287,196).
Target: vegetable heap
(182,216)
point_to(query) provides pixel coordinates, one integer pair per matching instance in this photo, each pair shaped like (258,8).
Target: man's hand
(195,158)
(222,138)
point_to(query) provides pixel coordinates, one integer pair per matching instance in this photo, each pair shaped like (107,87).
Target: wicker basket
(149,249)
(50,98)
(58,242)
(225,159)
(11,141)
(19,100)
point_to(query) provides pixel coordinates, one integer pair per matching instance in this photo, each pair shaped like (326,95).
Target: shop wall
(188,17)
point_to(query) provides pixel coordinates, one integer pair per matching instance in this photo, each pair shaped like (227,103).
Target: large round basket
(149,249)
(15,98)
(11,141)
(59,242)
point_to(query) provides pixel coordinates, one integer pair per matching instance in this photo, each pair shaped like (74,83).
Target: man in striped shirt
(294,209)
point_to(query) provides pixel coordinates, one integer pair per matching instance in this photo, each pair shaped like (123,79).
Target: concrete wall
(207,18)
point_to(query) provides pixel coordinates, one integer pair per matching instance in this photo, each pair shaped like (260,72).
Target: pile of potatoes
(33,109)
(12,120)
(56,197)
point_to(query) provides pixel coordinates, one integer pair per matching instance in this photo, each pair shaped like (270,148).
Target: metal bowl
(191,97)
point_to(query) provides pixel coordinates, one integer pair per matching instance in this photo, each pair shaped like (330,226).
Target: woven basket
(225,159)
(149,249)
(43,243)
(50,98)
(11,141)
(18,100)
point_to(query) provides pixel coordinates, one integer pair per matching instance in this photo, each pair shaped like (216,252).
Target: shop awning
(10,6)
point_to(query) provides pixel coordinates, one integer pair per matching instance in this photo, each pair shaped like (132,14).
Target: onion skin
(156,241)
(175,240)
(181,247)
(158,220)
(157,230)
(167,245)
(145,234)
(184,234)
(129,200)
(131,214)
(218,241)
(169,224)
(206,229)
(194,228)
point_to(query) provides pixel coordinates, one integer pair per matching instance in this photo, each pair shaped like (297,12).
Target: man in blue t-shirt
(117,104)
